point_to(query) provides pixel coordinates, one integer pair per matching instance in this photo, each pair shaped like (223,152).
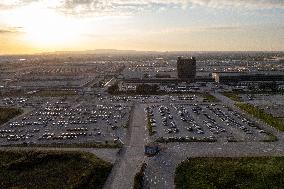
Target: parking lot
(65,122)
(151,99)
(271,104)
(201,122)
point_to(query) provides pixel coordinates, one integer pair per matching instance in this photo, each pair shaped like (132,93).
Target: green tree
(147,89)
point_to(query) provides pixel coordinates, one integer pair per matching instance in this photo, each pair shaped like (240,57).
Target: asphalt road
(160,171)
(131,156)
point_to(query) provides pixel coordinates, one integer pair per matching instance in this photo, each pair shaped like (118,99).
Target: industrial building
(186,68)
(247,77)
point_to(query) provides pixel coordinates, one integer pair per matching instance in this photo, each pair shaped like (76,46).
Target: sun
(45,28)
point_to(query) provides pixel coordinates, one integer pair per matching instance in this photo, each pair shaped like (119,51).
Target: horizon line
(136,51)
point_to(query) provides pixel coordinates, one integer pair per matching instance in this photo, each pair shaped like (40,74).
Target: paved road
(161,168)
(131,155)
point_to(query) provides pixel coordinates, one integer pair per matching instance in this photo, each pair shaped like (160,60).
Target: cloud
(181,30)
(11,30)
(5,31)
(132,6)
(255,4)
(222,28)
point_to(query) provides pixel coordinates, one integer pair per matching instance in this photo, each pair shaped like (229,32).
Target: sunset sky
(32,26)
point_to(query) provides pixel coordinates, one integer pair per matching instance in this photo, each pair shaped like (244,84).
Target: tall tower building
(186,68)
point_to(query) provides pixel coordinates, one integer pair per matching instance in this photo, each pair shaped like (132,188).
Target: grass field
(271,138)
(71,145)
(8,113)
(223,173)
(233,96)
(260,114)
(15,93)
(52,170)
(209,97)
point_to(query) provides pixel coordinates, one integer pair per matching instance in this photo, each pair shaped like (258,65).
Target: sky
(34,26)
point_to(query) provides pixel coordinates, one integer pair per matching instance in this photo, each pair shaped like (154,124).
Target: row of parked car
(61,121)
(236,120)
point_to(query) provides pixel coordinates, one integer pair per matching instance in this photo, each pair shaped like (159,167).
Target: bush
(149,126)
(145,89)
(139,177)
(56,93)
(114,89)
(183,139)
(8,113)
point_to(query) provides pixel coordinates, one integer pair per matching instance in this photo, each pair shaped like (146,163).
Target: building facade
(186,68)
(247,77)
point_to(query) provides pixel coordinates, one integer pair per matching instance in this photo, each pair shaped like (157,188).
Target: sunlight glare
(45,28)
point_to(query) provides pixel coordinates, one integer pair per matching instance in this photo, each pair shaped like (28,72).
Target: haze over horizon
(35,26)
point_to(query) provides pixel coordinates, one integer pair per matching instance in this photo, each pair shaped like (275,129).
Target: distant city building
(247,77)
(186,68)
